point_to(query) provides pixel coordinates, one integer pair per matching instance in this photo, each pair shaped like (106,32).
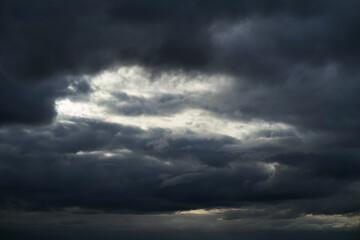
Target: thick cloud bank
(213,114)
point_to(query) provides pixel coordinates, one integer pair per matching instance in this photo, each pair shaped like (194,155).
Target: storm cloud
(218,113)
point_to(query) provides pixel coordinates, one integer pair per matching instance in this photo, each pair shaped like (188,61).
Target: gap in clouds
(174,100)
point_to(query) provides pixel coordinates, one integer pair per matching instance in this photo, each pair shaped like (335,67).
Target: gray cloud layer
(294,62)
(82,164)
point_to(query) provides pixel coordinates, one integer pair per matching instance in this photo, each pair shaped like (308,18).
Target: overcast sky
(183,119)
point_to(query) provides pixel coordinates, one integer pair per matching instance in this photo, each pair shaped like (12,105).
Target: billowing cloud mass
(180,119)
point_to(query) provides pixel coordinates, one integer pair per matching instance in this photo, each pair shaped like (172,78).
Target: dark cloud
(160,105)
(271,212)
(30,103)
(293,62)
(178,235)
(109,167)
(296,45)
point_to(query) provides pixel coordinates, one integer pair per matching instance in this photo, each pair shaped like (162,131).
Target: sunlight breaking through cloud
(187,112)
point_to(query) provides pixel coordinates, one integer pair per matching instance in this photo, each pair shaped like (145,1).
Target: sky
(193,119)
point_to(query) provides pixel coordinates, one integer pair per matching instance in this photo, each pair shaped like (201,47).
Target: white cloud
(200,92)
